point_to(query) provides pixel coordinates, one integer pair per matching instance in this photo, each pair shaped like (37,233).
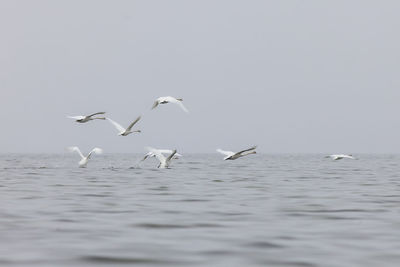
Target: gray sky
(289,76)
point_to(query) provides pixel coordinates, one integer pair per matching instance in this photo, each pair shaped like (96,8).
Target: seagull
(87,118)
(162,151)
(169,99)
(84,160)
(232,155)
(164,161)
(341,156)
(122,130)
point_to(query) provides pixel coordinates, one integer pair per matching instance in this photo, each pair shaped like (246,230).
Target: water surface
(262,210)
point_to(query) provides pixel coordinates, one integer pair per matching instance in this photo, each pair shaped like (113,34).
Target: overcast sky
(289,76)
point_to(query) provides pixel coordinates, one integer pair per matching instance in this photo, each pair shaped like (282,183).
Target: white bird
(122,130)
(84,160)
(162,151)
(232,155)
(164,161)
(340,156)
(87,118)
(169,99)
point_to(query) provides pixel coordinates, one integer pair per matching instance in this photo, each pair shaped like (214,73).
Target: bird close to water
(122,130)
(84,160)
(162,151)
(340,156)
(83,118)
(232,155)
(164,161)
(169,99)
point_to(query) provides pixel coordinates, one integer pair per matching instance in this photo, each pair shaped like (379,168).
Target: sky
(289,76)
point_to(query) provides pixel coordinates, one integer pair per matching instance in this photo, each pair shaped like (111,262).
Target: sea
(261,210)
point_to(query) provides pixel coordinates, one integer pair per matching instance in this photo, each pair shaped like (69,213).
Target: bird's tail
(180,99)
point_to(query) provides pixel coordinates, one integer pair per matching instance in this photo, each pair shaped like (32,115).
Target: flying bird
(232,155)
(122,130)
(169,99)
(84,160)
(87,118)
(164,161)
(340,156)
(162,151)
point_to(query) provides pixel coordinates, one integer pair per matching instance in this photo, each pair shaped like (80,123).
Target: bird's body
(86,118)
(122,130)
(164,161)
(229,155)
(340,156)
(169,99)
(84,160)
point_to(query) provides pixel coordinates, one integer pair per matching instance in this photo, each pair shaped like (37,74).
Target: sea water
(260,210)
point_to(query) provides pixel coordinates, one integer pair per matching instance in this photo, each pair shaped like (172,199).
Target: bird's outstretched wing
(226,153)
(146,156)
(116,125)
(251,148)
(76,117)
(170,156)
(158,154)
(163,151)
(75,148)
(133,123)
(98,113)
(178,102)
(95,150)
(155,104)
(169,151)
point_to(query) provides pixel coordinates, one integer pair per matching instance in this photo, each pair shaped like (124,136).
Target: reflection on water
(263,210)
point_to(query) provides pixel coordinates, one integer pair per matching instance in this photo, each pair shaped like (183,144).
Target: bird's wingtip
(98,150)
